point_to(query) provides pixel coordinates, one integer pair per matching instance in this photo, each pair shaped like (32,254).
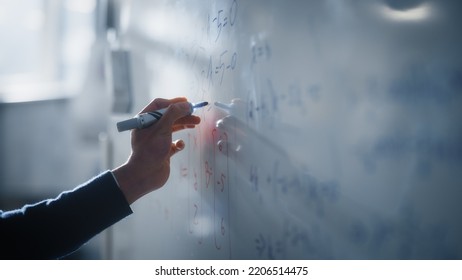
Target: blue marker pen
(146,119)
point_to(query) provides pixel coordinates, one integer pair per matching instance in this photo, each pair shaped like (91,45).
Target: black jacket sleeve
(56,227)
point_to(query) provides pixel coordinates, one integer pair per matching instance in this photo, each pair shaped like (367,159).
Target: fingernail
(180,145)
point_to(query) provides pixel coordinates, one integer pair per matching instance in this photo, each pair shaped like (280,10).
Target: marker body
(140,121)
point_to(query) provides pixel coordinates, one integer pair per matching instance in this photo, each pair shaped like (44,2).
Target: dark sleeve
(56,227)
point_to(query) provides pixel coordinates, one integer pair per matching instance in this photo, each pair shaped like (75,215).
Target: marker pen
(146,119)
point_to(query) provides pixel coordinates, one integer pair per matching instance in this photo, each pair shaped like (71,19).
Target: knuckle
(159,100)
(177,109)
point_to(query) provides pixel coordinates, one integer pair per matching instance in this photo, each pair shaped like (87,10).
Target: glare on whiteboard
(418,13)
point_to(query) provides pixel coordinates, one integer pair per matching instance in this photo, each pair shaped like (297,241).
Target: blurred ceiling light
(417,13)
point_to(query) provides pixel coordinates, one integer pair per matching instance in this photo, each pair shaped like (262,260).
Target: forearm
(56,227)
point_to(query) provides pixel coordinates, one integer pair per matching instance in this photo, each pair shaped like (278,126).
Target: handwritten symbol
(208,174)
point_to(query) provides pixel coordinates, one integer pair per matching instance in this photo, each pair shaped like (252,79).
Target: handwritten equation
(274,101)
(207,168)
(221,20)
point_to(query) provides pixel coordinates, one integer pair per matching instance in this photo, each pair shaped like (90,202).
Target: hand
(148,166)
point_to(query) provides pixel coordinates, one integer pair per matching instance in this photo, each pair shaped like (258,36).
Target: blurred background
(53,102)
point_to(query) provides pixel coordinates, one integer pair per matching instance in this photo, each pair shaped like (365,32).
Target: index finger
(174,112)
(161,103)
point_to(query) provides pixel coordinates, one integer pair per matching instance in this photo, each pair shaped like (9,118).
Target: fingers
(176,147)
(177,114)
(177,117)
(181,127)
(191,119)
(186,122)
(160,103)
(176,111)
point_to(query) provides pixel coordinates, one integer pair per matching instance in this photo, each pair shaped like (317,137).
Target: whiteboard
(334,130)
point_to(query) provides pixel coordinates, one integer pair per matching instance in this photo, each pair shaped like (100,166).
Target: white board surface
(334,131)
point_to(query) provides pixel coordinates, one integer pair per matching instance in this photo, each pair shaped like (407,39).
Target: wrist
(127,184)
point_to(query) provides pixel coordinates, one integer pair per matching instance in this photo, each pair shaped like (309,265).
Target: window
(45,47)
